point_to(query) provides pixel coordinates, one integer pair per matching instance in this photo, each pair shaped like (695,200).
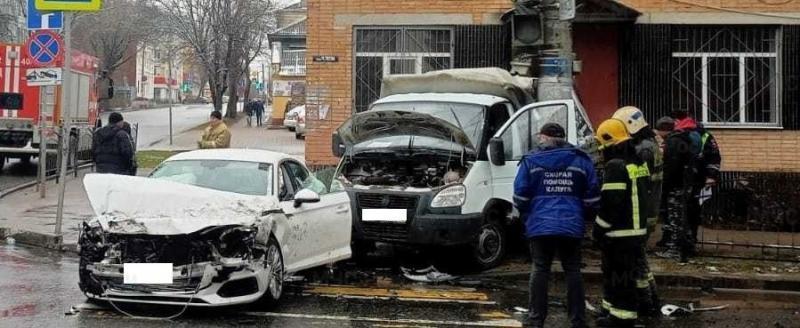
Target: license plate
(147,273)
(384,215)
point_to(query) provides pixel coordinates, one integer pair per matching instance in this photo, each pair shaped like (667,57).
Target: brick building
(734,64)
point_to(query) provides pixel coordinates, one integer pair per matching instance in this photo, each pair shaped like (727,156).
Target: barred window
(727,76)
(293,62)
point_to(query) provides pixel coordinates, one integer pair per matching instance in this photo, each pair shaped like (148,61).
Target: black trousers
(620,273)
(543,251)
(646,290)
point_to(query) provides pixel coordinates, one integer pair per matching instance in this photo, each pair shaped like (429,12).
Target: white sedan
(290,121)
(209,228)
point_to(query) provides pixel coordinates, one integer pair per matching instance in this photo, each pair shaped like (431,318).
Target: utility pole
(555,60)
(66,118)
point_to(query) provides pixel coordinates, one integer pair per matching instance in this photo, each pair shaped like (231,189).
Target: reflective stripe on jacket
(624,204)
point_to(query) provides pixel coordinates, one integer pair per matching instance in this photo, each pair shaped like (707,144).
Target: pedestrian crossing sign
(68,5)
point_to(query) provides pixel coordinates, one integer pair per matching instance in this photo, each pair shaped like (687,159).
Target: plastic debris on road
(427,275)
(671,310)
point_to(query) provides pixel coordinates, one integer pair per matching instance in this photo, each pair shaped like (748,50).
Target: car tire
(489,247)
(291,129)
(274,262)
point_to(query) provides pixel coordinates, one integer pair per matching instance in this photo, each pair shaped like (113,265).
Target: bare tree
(225,36)
(11,28)
(115,33)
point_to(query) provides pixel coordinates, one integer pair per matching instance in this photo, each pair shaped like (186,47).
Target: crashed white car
(209,228)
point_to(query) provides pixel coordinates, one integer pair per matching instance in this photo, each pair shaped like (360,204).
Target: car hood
(384,123)
(137,205)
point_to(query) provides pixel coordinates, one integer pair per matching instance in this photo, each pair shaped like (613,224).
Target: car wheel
(489,248)
(274,263)
(291,129)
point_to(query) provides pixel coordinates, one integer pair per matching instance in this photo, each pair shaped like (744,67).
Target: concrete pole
(556,80)
(66,117)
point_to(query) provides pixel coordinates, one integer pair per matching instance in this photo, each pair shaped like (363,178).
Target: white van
(437,168)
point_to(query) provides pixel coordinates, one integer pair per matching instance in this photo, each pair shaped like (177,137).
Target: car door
(520,137)
(319,233)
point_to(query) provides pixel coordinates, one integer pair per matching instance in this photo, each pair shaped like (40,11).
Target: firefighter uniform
(649,150)
(679,174)
(620,228)
(707,167)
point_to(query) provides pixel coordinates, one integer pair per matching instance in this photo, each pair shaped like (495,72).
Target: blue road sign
(42,21)
(44,47)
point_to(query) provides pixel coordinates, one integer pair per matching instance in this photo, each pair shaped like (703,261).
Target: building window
(396,50)
(293,62)
(728,76)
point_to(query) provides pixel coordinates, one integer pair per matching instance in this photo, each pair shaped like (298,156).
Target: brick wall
(759,150)
(334,80)
(709,5)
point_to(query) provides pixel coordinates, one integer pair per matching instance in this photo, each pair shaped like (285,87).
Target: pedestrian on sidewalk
(134,165)
(648,149)
(249,110)
(679,172)
(216,134)
(112,150)
(555,191)
(621,226)
(707,166)
(259,107)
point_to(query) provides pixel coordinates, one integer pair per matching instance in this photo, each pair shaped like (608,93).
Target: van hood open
(137,205)
(376,124)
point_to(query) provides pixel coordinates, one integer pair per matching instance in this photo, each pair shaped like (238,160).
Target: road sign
(43,76)
(44,48)
(43,21)
(68,5)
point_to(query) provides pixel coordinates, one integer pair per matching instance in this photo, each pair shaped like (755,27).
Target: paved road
(38,288)
(154,123)
(153,127)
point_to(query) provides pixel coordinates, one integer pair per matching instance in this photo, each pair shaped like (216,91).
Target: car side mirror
(337,145)
(305,196)
(497,151)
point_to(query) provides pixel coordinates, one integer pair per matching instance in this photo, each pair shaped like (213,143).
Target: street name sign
(68,5)
(43,21)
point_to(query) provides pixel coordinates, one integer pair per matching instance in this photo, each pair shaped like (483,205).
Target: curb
(771,283)
(38,239)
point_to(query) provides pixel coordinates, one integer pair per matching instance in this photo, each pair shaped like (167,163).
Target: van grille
(387,201)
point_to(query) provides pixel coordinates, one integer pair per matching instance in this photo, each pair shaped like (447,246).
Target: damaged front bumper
(217,266)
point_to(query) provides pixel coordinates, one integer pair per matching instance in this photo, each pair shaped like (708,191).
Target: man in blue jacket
(555,191)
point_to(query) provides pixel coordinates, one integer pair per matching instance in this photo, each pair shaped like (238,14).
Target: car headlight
(450,197)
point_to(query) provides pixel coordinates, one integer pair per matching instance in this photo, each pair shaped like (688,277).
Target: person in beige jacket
(216,134)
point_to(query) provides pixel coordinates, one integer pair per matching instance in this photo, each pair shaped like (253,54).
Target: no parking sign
(45,48)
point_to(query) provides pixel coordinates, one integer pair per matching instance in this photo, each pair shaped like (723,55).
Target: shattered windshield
(248,178)
(468,117)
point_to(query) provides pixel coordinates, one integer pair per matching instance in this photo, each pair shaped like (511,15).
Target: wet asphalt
(39,288)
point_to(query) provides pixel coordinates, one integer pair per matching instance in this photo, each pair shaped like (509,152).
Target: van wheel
(489,248)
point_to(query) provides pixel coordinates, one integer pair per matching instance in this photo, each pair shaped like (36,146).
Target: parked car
(229,225)
(300,129)
(290,120)
(433,161)
(196,100)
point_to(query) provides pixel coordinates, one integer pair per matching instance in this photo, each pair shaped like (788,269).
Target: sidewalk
(242,136)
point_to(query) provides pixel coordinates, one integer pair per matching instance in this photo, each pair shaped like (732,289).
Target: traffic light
(11,101)
(527,29)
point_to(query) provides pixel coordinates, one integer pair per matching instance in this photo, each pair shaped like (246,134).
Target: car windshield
(468,117)
(249,178)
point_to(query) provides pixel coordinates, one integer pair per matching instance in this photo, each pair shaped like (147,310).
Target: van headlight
(450,197)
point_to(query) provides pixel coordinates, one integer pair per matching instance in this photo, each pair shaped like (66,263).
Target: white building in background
(154,81)
(12,21)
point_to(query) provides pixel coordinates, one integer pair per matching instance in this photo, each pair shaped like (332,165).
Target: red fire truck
(19,129)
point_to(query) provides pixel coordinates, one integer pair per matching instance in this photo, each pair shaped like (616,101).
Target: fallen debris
(671,310)
(427,275)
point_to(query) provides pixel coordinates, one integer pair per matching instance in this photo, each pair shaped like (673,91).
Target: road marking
(422,294)
(495,315)
(491,323)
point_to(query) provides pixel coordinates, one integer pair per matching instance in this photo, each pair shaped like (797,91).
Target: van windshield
(468,117)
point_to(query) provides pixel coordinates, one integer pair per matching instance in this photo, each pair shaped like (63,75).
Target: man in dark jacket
(707,167)
(111,147)
(620,228)
(555,191)
(679,173)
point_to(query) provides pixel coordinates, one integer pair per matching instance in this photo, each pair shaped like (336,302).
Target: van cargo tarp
(491,81)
